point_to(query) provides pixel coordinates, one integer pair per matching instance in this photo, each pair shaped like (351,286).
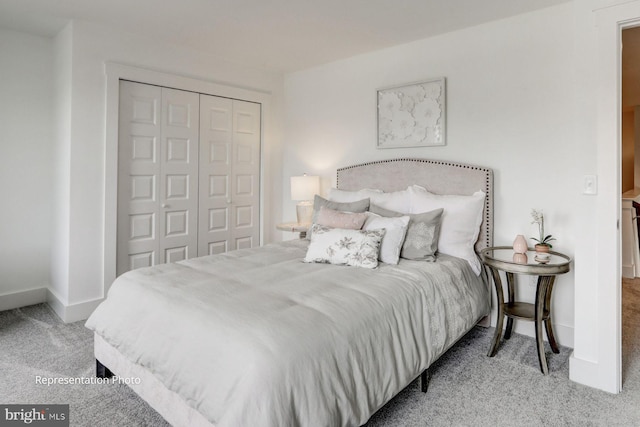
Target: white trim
(116,72)
(71,313)
(23,298)
(584,372)
(606,372)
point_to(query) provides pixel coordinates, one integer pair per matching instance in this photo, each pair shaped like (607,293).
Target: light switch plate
(590,184)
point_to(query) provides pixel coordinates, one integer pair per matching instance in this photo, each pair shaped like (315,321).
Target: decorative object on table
(303,190)
(543,244)
(412,115)
(520,244)
(520,258)
(542,257)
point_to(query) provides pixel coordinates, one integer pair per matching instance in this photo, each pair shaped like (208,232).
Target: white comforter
(258,338)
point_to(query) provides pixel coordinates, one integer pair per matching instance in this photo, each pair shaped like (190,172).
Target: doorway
(630,186)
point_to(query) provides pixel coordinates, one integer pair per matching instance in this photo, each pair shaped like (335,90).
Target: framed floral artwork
(412,115)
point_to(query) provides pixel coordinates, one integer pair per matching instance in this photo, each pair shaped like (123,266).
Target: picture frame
(412,114)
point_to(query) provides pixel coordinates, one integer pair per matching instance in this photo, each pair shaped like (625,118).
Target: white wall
(25,167)
(59,289)
(91,45)
(510,106)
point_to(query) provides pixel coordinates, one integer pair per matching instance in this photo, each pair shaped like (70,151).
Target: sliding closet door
(158,176)
(229,175)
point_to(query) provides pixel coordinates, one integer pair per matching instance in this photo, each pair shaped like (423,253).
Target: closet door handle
(164,205)
(228,201)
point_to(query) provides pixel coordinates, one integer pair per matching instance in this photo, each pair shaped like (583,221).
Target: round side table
(503,258)
(294,227)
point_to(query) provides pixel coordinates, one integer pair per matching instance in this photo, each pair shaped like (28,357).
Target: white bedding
(257,338)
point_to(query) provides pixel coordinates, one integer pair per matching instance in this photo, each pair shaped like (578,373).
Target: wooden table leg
(499,321)
(547,323)
(541,293)
(511,295)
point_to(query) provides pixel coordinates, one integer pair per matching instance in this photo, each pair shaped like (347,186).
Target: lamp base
(304,211)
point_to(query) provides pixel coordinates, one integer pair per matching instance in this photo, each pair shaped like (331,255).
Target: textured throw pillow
(337,219)
(358,248)
(461,221)
(356,207)
(421,240)
(423,236)
(393,239)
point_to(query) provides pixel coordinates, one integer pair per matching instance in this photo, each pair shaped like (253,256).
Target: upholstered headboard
(437,176)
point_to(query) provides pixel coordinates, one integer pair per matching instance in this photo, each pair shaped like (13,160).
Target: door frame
(609,22)
(114,73)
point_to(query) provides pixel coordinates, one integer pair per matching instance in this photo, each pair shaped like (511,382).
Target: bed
(257,337)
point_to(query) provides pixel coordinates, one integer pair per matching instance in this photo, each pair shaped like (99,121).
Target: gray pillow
(357,207)
(421,241)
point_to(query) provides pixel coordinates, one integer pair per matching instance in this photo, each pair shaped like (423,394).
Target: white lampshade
(304,187)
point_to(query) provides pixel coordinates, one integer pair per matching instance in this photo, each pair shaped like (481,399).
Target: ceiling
(282,35)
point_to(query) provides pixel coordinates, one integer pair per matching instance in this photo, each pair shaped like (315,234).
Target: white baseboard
(628,271)
(23,298)
(73,312)
(584,372)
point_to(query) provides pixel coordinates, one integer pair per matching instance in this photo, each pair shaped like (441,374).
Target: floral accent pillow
(336,219)
(357,248)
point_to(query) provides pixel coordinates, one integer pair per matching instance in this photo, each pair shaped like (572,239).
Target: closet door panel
(178,218)
(189,175)
(216,121)
(245,179)
(138,176)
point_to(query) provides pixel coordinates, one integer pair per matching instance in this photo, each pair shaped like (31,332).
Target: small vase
(520,258)
(520,244)
(542,248)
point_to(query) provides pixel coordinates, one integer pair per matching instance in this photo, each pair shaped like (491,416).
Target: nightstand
(503,258)
(294,227)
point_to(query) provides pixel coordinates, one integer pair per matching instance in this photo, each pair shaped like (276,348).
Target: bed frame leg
(102,371)
(425,377)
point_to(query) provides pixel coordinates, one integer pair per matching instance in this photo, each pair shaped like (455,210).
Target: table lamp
(303,190)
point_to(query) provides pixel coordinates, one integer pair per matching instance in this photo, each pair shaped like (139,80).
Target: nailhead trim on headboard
(488,207)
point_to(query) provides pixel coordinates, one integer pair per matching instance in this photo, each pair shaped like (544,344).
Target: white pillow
(344,196)
(394,237)
(461,221)
(396,200)
(399,201)
(358,248)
